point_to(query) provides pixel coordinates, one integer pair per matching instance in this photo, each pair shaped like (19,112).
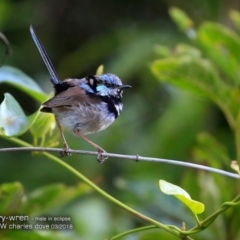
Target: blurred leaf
(182,195)
(235,166)
(222,45)
(185,49)
(235,17)
(180,18)
(17,78)
(44,124)
(210,150)
(191,73)
(100,70)
(52,196)
(163,51)
(193,113)
(212,195)
(10,198)
(13,121)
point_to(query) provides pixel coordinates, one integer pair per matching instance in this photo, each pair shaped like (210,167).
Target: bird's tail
(54,78)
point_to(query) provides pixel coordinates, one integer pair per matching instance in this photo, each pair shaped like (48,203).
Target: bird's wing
(72,96)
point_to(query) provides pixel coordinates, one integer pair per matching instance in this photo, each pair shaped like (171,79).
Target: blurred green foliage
(159,119)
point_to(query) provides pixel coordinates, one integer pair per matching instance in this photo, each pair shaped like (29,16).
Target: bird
(83,106)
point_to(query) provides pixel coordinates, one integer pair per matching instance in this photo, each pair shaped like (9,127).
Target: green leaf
(185,49)
(13,121)
(189,72)
(43,125)
(163,51)
(51,196)
(180,18)
(235,17)
(17,78)
(194,73)
(222,45)
(100,70)
(10,198)
(235,166)
(182,195)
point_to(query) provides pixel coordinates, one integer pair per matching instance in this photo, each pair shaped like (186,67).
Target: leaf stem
(197,220)
(206,222)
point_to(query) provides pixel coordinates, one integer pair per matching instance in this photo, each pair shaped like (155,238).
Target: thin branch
(7,46)
(136,158)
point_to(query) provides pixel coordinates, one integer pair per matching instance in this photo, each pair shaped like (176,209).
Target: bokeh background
(158,120)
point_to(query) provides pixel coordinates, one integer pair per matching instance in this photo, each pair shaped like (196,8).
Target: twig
(130,157)
(7,45)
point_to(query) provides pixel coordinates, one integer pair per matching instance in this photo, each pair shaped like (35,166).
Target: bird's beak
(124,86)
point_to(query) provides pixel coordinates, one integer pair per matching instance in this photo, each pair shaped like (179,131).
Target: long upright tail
(54,78)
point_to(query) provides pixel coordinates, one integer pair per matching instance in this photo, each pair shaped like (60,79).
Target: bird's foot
(65,152)
(100,157)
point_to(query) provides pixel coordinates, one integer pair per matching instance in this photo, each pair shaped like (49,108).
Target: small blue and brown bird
(85,105)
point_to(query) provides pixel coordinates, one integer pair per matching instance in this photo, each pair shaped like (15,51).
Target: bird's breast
(86,118)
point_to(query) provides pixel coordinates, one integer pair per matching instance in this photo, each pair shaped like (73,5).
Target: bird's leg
(100,158)
(65,150)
